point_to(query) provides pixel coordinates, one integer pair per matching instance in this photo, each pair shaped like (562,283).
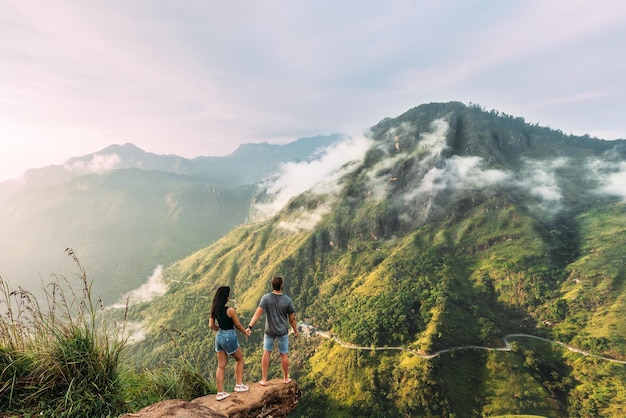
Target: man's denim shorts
(226,340)
(283,343)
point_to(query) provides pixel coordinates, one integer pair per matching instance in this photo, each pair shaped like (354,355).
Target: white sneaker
(222,395)
(241,388)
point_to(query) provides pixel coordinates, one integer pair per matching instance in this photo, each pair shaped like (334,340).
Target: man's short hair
(277,283)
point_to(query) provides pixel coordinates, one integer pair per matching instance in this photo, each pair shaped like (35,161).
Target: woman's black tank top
(223,320)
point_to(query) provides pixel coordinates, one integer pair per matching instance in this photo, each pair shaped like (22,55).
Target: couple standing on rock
(280,313)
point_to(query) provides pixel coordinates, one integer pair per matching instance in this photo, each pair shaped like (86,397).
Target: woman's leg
(238,356)
(222,360)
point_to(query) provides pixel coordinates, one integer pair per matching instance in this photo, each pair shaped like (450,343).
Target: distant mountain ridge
(126,211)
(246,165)
(251,162)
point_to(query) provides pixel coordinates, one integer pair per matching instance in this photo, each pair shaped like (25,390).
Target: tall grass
(64,359)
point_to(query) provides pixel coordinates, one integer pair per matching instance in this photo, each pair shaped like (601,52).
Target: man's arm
(255,318)
(292,321)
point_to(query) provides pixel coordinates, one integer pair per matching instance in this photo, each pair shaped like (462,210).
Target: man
(280,313)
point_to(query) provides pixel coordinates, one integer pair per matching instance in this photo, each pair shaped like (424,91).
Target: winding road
(507,347)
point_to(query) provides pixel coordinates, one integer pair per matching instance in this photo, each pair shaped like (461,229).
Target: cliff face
(276,399)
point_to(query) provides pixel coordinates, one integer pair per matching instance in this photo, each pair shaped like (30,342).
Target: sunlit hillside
(434,249)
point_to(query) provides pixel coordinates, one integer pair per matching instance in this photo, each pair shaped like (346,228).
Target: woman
(223,320)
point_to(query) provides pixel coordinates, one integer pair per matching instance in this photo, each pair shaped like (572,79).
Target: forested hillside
(454,228)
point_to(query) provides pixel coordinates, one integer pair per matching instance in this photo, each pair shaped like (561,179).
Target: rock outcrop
(276,399)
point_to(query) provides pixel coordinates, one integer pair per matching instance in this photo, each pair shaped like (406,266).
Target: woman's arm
(232,314)
(213,325)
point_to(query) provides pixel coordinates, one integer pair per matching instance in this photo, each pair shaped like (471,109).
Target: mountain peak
(123,148)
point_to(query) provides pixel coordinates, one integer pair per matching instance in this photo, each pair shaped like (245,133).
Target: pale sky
(198,78)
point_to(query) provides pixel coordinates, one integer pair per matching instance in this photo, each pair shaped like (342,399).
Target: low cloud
(99,163)
(429,151)
(616,181)
(454,173)
(154,288)
(611,177)
(304,220)
(435,141)
(320,176)
(442,178)
(539,178)
(135,331)
(460,173)
(379,184)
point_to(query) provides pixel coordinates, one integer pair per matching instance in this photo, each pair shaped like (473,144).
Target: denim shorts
(226,340)
(283,343)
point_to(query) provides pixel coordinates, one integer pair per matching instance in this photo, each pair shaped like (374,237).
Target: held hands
(248,331)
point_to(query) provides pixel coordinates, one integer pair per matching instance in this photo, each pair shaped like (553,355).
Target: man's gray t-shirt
(277,308)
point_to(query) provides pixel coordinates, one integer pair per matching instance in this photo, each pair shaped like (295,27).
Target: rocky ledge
(276,399)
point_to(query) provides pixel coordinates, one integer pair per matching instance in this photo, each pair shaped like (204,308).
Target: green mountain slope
(456,228)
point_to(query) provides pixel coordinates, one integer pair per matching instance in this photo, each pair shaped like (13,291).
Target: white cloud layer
(539,178)
(99,163)
(320,176)
(153,288)
(439,177)
(611,177)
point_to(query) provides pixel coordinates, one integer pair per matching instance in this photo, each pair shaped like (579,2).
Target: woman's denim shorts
(226,340)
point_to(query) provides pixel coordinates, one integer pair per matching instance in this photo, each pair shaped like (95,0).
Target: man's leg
(283,347)
(265,365)
(284,362)
(268,345)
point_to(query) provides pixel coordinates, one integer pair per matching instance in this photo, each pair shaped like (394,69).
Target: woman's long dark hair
(219,300)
